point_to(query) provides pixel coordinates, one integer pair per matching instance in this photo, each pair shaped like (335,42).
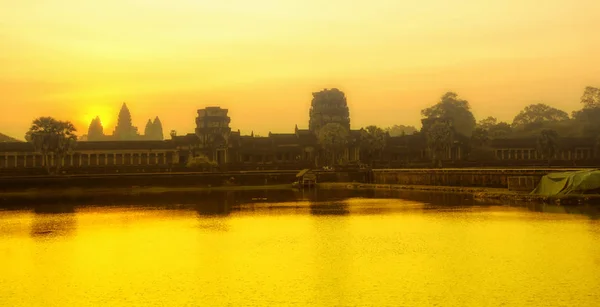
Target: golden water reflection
(309,251)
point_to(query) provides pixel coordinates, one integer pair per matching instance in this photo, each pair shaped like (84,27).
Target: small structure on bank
(565,183)
(306,178)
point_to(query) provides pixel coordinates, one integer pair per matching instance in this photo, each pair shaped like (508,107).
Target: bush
(201,162)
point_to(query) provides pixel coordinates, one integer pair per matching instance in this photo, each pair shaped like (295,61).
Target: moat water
(273,248)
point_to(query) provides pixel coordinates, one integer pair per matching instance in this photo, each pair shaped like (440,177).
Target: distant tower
(95,131)
(124,129)
(212,128)
(329,106)
(149,130)
(212,125)
(158,129)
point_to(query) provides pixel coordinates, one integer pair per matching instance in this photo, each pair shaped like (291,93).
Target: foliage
(333,137)
(52,137)
(480,138)
(440,137)
(502,129)
(400,130)
(373,141)
(494,128)
(591,97)
(588,116)
(201,161)
(329,106)
(536,115)
(95,130)
(547,144)
(456,110)
(487,123)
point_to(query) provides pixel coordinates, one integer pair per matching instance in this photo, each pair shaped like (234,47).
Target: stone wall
(147,180)
(490,178)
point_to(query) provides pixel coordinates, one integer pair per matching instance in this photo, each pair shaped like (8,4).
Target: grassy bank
(484,194)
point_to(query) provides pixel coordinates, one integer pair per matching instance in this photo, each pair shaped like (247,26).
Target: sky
(262,59)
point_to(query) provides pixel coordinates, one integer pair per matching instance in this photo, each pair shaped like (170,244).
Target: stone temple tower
(329,106)
(212,128)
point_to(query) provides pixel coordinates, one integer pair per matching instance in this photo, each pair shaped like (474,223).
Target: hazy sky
(262,59)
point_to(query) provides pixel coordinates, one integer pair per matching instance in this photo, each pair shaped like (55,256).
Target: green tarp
(579,182)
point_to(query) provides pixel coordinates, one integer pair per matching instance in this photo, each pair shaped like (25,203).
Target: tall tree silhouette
(453,109)
(52,138)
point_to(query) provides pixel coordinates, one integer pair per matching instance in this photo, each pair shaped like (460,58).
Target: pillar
(16,160)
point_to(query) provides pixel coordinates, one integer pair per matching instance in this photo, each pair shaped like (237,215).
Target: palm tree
(547,144)
(373,141)
(440,137)
(333,137)
(52,137)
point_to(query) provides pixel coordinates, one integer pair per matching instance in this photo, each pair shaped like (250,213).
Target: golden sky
(262,59)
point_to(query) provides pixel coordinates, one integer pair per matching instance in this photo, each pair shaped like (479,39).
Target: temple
(125,130)
(214,139)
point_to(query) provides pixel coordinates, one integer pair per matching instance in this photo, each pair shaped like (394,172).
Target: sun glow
(105,113)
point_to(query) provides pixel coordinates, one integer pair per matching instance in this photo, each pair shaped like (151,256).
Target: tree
(591,97)
(457,111)
(328,106)
(487,123)
(547,144)
(52,137)
(373,141)
(536,115)
(333,137)
(95,130)
(173,134)
(501,129)
(480,149)
(494,128)
(588,116)
(399,130)
(202,162)
(440,137)
(480,138)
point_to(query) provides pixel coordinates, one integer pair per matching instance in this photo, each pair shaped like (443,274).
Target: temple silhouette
(124,130)
(128,150)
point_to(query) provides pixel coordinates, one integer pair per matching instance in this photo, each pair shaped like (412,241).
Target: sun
(105,113)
